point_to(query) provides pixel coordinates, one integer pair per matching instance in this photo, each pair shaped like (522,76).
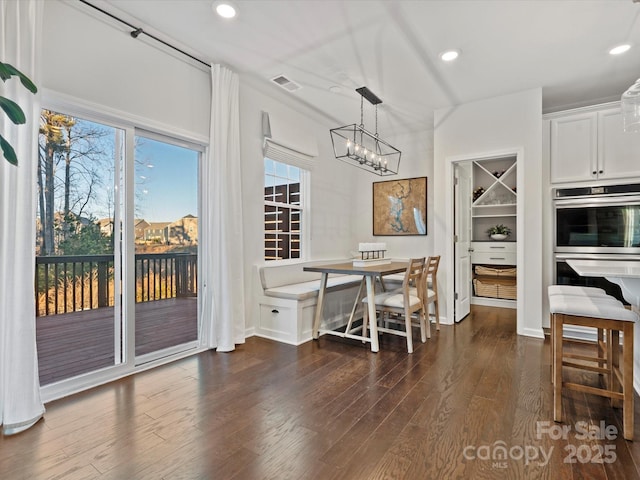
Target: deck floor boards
(71,344)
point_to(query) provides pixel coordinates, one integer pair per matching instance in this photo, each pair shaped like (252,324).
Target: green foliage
(499,230)
(86,240)
(12,109)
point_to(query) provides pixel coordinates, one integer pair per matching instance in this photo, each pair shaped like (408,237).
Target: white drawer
(491,247)
(494,258)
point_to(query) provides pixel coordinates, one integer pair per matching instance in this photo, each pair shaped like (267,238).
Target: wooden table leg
(371,305)
(318,317)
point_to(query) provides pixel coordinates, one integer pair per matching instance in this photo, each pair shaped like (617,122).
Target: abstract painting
(400,207)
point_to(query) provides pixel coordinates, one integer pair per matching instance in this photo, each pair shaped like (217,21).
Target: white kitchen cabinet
(618,152)
(574,147)
(493,253)
(589,144)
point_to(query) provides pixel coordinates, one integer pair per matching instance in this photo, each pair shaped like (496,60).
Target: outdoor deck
(70,344)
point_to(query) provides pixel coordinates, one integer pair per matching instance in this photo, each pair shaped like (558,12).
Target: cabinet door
(618,152)
(574,148)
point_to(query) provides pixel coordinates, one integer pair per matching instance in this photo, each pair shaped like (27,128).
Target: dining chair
(405,302)
(431,283)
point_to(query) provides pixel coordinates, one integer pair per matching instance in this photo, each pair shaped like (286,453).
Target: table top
(349,269)
(605,268)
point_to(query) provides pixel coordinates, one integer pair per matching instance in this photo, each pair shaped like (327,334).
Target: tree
(81,146)
(87,239)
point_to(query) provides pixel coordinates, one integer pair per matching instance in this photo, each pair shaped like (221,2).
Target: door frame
(518,152)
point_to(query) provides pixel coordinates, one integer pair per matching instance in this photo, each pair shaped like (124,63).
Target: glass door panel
(78,324)
(166,248)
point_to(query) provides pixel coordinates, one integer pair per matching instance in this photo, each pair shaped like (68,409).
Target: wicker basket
(492,271)
(494,287)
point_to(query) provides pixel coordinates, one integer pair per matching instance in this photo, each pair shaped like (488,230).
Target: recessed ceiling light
(335,89)
(619,49)
(449,55)
(224,9)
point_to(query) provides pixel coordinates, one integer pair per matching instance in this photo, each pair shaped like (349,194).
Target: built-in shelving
(495,201)
(495,198)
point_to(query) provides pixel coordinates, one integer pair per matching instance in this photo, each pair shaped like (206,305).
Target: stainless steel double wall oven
(600,222)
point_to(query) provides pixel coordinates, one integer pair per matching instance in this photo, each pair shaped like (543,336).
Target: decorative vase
(498,236)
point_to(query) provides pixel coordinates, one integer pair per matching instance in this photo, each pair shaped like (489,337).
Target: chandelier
(630,104)
(357,146)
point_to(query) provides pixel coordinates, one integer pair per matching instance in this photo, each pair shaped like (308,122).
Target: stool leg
(613,359)
(627,376)
(551,345)
(557,367)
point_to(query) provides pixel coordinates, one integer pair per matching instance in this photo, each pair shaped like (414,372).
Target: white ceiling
(393,48)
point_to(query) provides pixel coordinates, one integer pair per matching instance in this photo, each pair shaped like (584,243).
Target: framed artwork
(400,207)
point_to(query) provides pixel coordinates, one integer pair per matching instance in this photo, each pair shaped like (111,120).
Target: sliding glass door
(78,324)
(166,247)
(116,249)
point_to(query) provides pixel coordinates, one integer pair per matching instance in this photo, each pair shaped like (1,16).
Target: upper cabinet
(590,145)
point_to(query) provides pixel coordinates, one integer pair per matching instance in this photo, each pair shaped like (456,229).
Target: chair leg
(627,375)
(427,322)
(557,367)
(551,346)
(407,322)
(437,312)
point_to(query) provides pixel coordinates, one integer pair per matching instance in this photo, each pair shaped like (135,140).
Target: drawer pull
(496,258)
(503,247)
(274,311)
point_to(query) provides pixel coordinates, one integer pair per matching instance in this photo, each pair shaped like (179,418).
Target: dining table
(625,273)
(369,273)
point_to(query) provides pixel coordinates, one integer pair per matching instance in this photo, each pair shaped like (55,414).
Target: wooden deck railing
(71,283)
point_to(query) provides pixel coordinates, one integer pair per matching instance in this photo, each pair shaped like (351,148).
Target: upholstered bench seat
(576,290)
(286,297)
(304,290)
(596,307)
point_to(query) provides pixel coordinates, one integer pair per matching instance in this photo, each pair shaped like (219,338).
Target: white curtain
(222,257)
(20,402)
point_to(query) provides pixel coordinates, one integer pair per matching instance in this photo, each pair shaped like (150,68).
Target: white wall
(416,161)
(510,122)
(92,58)
(332,182)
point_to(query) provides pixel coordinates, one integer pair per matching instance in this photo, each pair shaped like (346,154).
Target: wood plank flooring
(331,409)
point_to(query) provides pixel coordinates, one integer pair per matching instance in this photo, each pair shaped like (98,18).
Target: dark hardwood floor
(331,409)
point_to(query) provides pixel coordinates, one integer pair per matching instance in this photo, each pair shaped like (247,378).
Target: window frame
(303,208)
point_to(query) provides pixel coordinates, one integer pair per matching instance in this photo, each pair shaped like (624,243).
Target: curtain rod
(138,30)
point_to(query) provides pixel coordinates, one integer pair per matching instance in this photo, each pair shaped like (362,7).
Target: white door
(462,239)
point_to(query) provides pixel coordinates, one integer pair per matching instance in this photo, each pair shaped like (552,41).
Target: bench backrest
(272,276)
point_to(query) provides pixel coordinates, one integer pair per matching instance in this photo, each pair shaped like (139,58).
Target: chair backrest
(431,270)
(414,276)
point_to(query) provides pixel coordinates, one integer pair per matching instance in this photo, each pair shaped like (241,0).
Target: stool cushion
(576,290)
(590,307)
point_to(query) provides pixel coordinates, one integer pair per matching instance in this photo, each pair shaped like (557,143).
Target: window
(283,210)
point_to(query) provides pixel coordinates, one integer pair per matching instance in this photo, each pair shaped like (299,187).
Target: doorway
(485,242)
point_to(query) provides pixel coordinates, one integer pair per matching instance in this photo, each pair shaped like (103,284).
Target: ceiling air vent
(284,82)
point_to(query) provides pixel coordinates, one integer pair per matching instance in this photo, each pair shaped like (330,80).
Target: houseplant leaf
(26,82)
(8,151)
(13,111)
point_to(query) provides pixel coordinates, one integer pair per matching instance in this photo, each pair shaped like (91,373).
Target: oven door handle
(596,256)
(586,201)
